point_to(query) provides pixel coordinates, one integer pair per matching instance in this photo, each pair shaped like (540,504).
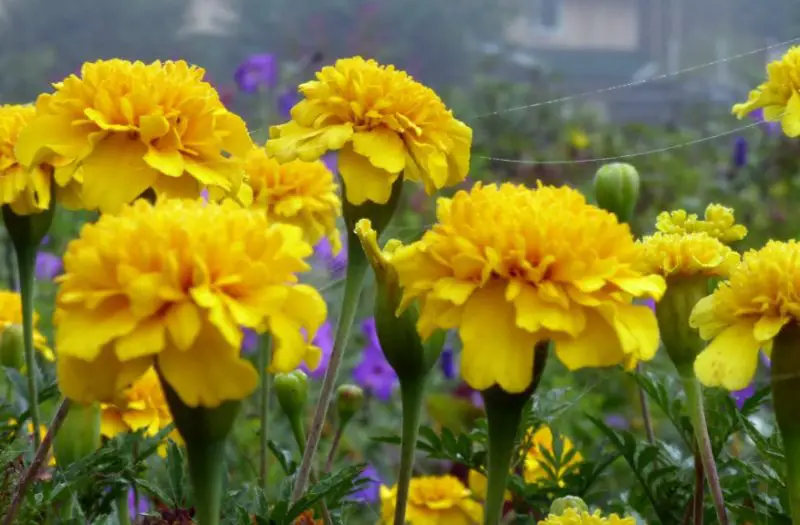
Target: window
(547,14)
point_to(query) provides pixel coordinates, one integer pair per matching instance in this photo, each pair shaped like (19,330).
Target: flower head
(181,299)
(576,517)
(687,254)
(779,95)
(25,190)
(511,266)
(370,491)
(433,500)
(126,127)
(718,222)
(11,315)
(383,122)
(535,460)
(257,72)
(373,372)
(297,192)
(745,314)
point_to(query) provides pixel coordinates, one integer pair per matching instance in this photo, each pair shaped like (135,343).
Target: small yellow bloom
(383,122)
(26,191)
(687,254)
(718,222)
(125,127)
(434,500)
(745,313)
(11,314)
(579,139)
(296,192)
(511,266)
(575,517)
(534,461)
(779,95)
(175,283)
(478,484)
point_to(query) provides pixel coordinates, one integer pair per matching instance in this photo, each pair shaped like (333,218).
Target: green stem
(206,467)
(785,386)
(264,351)
(123,512)
(356,270)
(411,392)
(647,420)
(694,396)
(299,432)
(26,263)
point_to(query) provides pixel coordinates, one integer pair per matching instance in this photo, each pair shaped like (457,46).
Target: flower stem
(356,270)
(647,420)
(334,447)
(206,467)
(694,396)
(264,352)
(123,512)
(785,385)
(26,264)
(411,392)
(299,433)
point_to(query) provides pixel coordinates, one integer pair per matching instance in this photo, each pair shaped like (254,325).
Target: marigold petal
(108,376)
(383,148)
(60,135)
(363,181)
(168,162)
(768,327)
(533,313)
(731,359)
(111,423)
(146,339)
(637,330)
(184,324)
(82,333)
(597,345)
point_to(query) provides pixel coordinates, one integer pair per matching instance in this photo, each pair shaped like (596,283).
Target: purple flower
(331,162)
(651,303)
(373,372)
(447,363)
(324,340)
(47,266)
(257,72)
(617,421)
(770,127)
(766,360)
(369,491)
(135,508)
(333,264)
(740,396)
(249,341)
(739,152)
(286,102)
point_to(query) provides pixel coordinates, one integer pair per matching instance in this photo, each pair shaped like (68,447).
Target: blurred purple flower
(766,360)
(740,396)
(369,492)
(286,102)
(249,341)
(739,152)
(324,340)
(257,72)
(651,303)
(770,127)
(333,264)
(135,508)
(447,363)
(331,162)
(373,372)
(617,421)
(47,266)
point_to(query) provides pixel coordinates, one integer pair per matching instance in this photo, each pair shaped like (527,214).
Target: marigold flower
(434,500)
(779,95)
(296,192)
(125,127)
(745,313)
(510,266)
(687,254)
(575,517)
(11,314)
(718,222)
(180,299)
(534,469)
(383,121)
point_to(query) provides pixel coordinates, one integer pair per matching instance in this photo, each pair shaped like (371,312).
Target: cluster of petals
(434,500)
(718,222)
(173,285)
(578,517)
(510,266)
(383,123)
(121,128)
(11,315)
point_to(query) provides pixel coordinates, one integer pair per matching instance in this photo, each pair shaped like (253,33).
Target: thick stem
(411,392)
(694,396)
(647,420)
(123,512)
(206,467)
(264,351)
(26,263)
(785,386)
(356,270)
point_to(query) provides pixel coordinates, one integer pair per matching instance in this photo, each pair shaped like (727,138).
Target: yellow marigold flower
(26,191)
(434,500)
(687,254)
(173,284)
(779,95)
(11,314)
(128,126)
(533,466)
(478,484)
(296,192)
(718,222)
(383,122)
(510,266)
(575,517)
(745,313)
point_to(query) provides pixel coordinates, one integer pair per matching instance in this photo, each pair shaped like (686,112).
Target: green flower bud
(560,505)
(681,341)
(616,188)
(12,347)
(79,435)
(349,400)
(292,392)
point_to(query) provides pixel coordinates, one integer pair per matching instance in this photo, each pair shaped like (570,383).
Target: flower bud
(12,347)
(616,189)
(349,400)
(681,341)
(79,435)
(292,391)
(560,505)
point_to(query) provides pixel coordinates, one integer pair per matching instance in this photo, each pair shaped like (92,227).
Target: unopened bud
(349,400)
(79,435)
(616,188)
(292,391)
(560,505)
(12,347)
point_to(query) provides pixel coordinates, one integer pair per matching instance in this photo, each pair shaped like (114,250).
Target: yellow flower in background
(718,222)
(296,192)
(511,266)
(576,517)
(779,95)
(26,191)
(434,500)
(125,127)
(677,254)
(745,314)
(11,315)
(174,284)
(578,139)
(533,469)
(383,123)
(478,484)
(51,461)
